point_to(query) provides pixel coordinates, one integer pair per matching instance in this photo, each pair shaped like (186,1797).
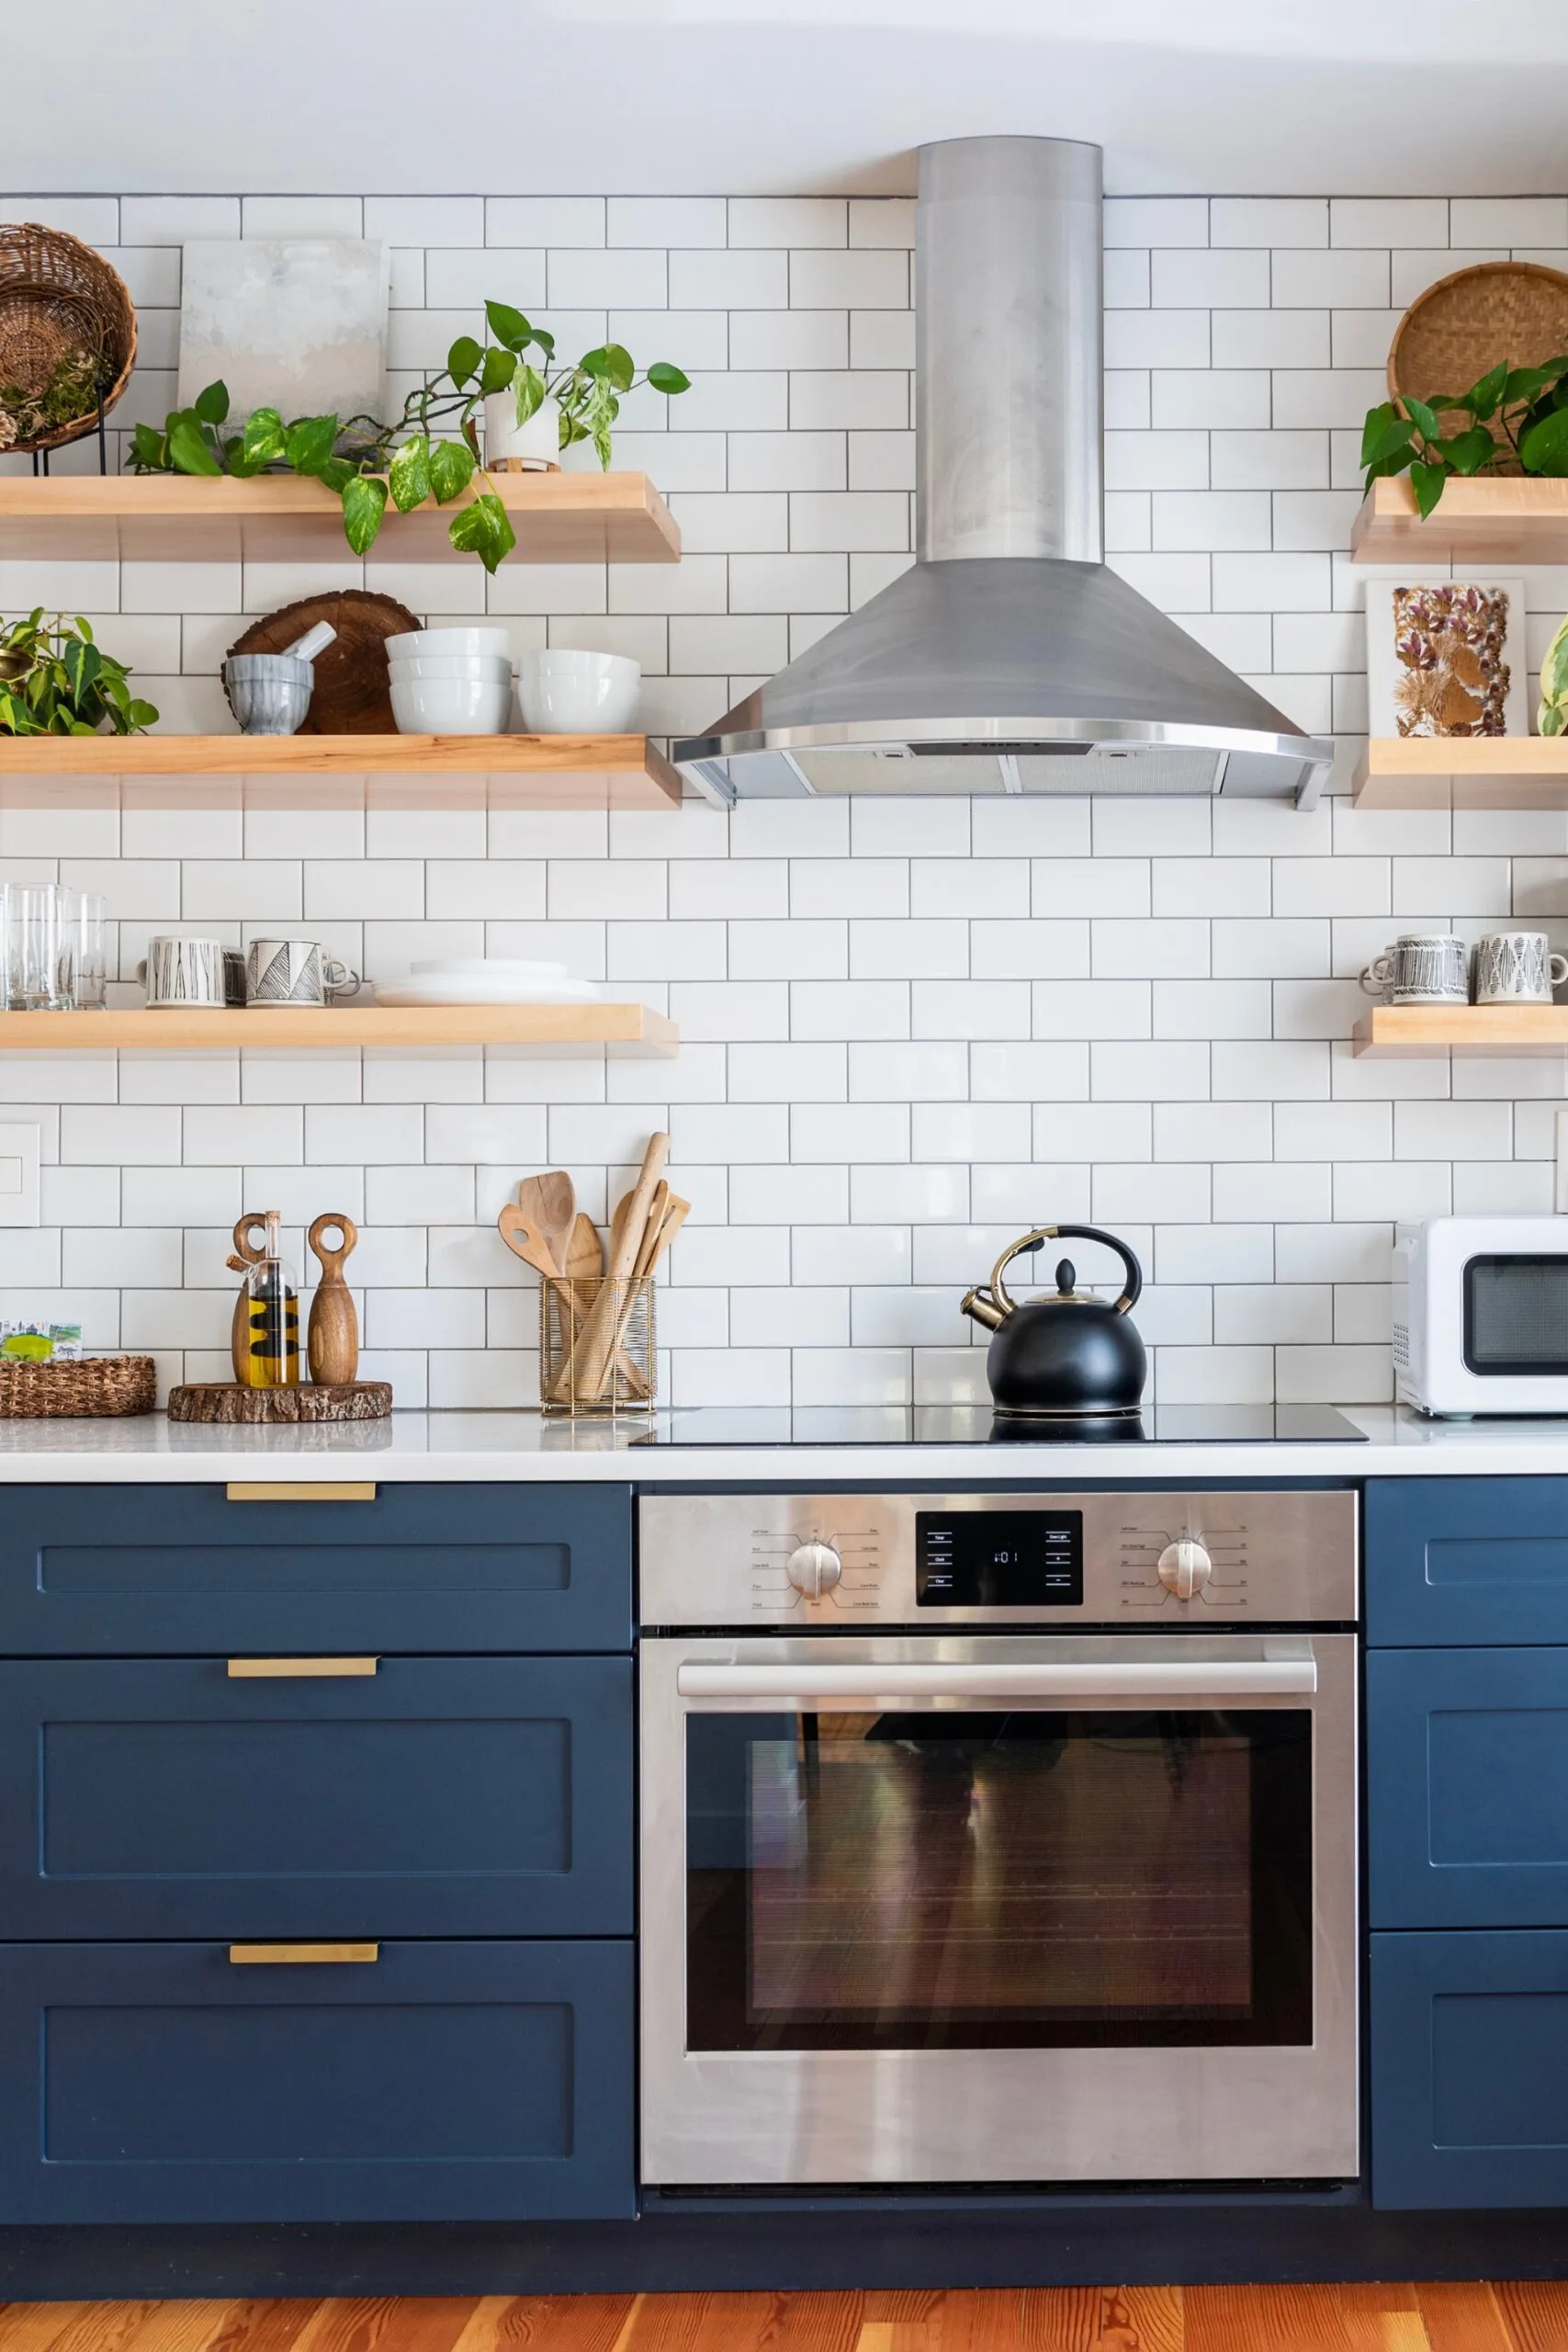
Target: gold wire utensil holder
(596,1345)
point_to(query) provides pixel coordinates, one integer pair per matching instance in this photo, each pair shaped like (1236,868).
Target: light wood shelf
(283,518)
(1433,1031)
(1463,772)
(634,1031)
(403,771)
(1517,518)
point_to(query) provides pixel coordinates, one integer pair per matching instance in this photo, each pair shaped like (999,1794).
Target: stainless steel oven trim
(723,2118)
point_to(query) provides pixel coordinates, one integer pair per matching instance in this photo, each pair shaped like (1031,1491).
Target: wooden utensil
(624,1259)
(585,1251)
(525,1240)
(598,1343)
(657,1209)
(674,1219)
(549,1204)
(332,1341)
(246,1254)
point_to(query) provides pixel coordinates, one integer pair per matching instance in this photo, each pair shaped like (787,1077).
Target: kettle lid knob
(1066,1276)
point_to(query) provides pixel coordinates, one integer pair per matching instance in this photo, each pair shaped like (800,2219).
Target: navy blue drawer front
(441,1796)
(1482,1561)
(1467,1787)
(112,1571)
(1469,2070)
(446,2082)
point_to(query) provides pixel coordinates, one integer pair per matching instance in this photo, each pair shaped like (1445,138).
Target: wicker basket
(58,296)
(97,1387)
(1453,333)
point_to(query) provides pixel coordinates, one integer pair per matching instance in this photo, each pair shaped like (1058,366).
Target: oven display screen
(999,1559)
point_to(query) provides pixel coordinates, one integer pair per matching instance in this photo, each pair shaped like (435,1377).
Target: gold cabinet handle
(299,1670)
(300,1490)
(301,1955)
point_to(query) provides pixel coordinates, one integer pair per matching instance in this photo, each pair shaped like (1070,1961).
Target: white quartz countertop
(522,1446)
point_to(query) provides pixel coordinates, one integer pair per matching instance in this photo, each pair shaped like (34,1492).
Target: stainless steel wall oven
(998,1837)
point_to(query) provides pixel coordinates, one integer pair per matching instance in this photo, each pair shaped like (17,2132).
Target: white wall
(912,1028)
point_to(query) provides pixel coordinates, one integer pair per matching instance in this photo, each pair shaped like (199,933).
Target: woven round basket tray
(97,1387)
(353,693)
(1452,334)
(58,300)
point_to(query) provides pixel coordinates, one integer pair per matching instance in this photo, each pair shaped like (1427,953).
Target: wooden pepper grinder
(333,1339)
(246,1254)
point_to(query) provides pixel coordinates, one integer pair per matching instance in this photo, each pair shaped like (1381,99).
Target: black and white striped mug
(294,971)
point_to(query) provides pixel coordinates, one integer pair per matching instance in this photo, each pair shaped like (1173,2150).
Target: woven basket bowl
(97,1387)
(1452,334)
(57,296)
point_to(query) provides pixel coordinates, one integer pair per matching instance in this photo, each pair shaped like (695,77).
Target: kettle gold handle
(1031,1241)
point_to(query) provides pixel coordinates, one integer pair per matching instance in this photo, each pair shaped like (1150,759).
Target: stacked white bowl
(451,680)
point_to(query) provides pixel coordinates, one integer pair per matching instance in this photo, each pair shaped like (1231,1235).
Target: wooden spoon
(585,1251)
(549,1204)
(525,1240)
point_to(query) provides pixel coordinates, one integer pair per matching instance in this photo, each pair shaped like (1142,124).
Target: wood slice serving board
(225,1401)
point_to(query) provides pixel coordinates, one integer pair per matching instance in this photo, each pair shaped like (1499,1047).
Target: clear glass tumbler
(4,947)
(43,953)
(84,918)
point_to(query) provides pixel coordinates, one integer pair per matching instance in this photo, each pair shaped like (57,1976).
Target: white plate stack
(451,680)
(486,979)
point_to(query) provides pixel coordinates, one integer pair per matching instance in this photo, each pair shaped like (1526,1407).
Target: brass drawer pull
(299,1670)
(300,1490)
(301,1955)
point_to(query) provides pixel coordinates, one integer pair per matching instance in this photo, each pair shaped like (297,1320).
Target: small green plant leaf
(212,402)
(1428,482)
(1468,452)
(1529,383)
(509,326)
(187,445)
(1387,440)
(464,359)
(307,443)
(262,442)
(1544,448)
(665,379)
(622,369)
(149,450)
(1550,719)
(452,467)
(500,366)
(1554,667)
(530,392)
(83,663)
(407,476)
(484,529)
(1425,419)
(140,714)
(1483,398)
(337,473)
(364,504)
(544,341)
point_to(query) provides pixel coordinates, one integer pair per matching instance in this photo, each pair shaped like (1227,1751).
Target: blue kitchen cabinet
(1467,1787)
(443,2081)
(165,1571)
(1476,1562)
(437,1797)
(1470,2069)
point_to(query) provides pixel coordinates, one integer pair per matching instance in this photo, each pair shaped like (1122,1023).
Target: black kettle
(1072,1356)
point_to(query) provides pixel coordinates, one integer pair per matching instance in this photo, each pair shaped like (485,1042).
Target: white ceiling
(743,96)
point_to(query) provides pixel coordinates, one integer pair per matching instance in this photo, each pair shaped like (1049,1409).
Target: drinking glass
(84,918)
(43,953)
(4,947)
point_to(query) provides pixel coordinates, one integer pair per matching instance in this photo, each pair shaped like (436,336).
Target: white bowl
(568,692)
(451,706)
(451,665)
(512,967)
(450,640)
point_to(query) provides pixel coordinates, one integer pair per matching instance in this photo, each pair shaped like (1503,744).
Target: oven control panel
(1133,1558)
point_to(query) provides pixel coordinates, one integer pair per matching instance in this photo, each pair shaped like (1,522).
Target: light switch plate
(18,1175)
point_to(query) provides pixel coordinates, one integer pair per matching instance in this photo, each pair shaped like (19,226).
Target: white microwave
(1481,1315)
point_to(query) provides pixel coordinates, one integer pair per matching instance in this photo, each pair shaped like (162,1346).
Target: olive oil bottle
(272,1356)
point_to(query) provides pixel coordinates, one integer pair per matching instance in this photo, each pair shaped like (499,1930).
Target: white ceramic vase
(535,445)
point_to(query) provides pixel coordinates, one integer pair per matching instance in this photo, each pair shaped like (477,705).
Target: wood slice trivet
(225,1401)
(353,693)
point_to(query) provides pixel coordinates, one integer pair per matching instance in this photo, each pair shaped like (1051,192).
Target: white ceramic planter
(536,443)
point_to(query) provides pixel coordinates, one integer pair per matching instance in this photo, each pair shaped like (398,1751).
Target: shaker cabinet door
(1473,1561)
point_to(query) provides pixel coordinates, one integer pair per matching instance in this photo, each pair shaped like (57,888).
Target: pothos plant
(368,463)
(56,679)
(1513,417)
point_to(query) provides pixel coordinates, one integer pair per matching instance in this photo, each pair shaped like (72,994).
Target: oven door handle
(1156,1681)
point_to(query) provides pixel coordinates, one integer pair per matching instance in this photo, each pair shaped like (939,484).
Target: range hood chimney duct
(1009,659)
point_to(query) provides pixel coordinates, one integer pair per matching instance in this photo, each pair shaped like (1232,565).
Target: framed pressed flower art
(1447,658)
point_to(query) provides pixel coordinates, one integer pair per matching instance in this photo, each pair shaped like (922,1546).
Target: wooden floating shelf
(634,1031)
(400,771)
(1432,1031)
(1521,518)
(1463,772)
(283,518)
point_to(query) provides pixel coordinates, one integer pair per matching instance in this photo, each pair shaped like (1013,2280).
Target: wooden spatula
(549,1204)
(585,1251)
(525,1240)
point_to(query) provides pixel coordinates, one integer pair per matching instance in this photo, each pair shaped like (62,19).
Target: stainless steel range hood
(1009,659)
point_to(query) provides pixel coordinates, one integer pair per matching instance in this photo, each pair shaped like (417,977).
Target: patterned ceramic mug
(183,972)
(1517,967)
(1421,968)
(294,971)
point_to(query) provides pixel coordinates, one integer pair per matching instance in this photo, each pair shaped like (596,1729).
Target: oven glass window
(1028,1880)
(1515,1315)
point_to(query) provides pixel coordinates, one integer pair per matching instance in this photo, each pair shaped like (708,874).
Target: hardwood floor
(1522,2317)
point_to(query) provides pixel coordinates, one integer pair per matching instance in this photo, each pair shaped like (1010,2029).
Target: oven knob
(814,1569)
(1185,1568)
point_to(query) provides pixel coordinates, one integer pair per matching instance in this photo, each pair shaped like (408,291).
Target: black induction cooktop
(977,1425)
